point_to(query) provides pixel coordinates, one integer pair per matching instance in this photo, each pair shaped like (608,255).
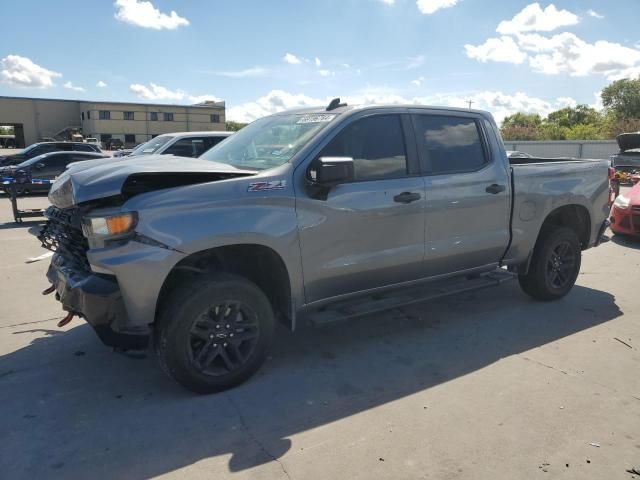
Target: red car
(625,215)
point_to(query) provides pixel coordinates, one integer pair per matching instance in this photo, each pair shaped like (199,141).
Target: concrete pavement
(485,385)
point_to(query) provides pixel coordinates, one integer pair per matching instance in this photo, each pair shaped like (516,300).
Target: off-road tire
(174,330)
(537,282)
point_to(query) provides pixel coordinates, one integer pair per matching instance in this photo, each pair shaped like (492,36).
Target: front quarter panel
(250,210)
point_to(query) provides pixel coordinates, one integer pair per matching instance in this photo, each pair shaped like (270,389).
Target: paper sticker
(316,118)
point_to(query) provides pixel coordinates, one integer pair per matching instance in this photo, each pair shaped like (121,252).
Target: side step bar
(401,298)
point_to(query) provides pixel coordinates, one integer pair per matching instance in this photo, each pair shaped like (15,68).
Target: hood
(628,141)
(124,178)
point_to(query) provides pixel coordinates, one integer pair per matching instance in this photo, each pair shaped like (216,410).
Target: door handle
(407,197)
(495,188)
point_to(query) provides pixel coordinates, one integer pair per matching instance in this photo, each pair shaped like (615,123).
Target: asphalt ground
(485,385)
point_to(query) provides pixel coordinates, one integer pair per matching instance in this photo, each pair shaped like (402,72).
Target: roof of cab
(351,108)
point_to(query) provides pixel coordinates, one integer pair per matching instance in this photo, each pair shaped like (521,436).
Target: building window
(105,137)
(88,114)
(168,117)
(128,116)
(153,116)
(129,138)
(83,116)
(215,118)
(104,115)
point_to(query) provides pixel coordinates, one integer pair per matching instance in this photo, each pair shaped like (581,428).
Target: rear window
(450,144)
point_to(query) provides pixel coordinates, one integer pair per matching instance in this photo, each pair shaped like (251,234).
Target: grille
(63,234)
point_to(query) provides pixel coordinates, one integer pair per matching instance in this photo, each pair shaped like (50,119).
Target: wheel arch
(258,263)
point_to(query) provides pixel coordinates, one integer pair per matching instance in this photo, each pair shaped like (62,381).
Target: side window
(376,145)
(188,147)
(57,163)
(211,142)
(451,144)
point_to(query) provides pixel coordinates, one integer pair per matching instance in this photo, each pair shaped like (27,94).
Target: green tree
(522,120)
(622,98)
(234,126)
(569,117)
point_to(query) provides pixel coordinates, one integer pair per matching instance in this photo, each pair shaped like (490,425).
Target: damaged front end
(93,239)
(83,293)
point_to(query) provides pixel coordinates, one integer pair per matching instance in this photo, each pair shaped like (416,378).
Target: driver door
(369,233)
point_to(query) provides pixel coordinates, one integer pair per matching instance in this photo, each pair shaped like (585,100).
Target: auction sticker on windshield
(317,118)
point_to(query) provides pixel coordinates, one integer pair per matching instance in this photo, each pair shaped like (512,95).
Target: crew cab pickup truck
(310,216)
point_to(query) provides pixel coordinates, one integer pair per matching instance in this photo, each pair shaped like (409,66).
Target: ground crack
(253,438)
(31,323)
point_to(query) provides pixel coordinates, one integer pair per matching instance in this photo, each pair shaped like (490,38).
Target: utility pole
(470,102)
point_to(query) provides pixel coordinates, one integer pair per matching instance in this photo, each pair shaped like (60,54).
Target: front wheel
(555,265)
(214,333)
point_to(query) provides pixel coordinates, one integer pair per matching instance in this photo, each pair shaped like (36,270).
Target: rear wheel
(214,333)
(555,265)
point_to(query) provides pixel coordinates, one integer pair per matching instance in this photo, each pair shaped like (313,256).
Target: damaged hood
(126,177)
(628,141)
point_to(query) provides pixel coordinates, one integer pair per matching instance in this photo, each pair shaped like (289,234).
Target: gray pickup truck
(310,216)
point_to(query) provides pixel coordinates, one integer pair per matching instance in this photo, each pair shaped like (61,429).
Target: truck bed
(541,160)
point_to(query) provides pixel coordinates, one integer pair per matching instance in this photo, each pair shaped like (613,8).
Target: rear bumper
(97,299)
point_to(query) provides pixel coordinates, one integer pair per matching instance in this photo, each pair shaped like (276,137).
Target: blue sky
(263,56)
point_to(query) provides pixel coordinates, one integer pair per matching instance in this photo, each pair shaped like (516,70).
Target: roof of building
(206,104)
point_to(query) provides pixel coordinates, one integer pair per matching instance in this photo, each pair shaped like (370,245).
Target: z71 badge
(266,186)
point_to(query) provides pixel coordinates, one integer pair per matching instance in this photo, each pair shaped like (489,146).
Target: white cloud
(247,72)
(203,98)
(291,59)
(326,73)
(388,2)
(273,102)
(71,86)
(101,84)
(415,62)
(318,62)
(566,102)
(428,7)
(144,14)
(533,18)
(498,103)
(567,53)
(22,72)
(418,81)
(503,49)
(156,92)
(633,72)
(594,14)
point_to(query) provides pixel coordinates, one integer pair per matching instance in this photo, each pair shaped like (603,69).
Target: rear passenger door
(53,166)
(368,233)
(467,190)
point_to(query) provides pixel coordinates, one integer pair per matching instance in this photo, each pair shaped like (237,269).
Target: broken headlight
(110,226)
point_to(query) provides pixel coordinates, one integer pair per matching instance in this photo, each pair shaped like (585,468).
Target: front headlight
(622,202)
(111,226)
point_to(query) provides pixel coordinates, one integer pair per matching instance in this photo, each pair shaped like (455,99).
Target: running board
(408,296)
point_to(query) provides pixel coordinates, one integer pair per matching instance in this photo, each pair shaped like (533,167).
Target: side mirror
(39,165)
(331,171)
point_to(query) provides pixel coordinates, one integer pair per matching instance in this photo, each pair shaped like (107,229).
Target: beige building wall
(148,120)
(38,118)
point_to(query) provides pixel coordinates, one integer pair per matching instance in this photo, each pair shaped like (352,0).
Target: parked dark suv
(38,173)
(47,147)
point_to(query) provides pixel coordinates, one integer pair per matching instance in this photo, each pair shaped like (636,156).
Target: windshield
(268,142)
(151,146)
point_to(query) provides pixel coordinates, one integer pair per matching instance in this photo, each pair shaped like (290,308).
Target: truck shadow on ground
(73,407)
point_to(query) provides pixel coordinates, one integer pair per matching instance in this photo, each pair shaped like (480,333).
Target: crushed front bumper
(97,299)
